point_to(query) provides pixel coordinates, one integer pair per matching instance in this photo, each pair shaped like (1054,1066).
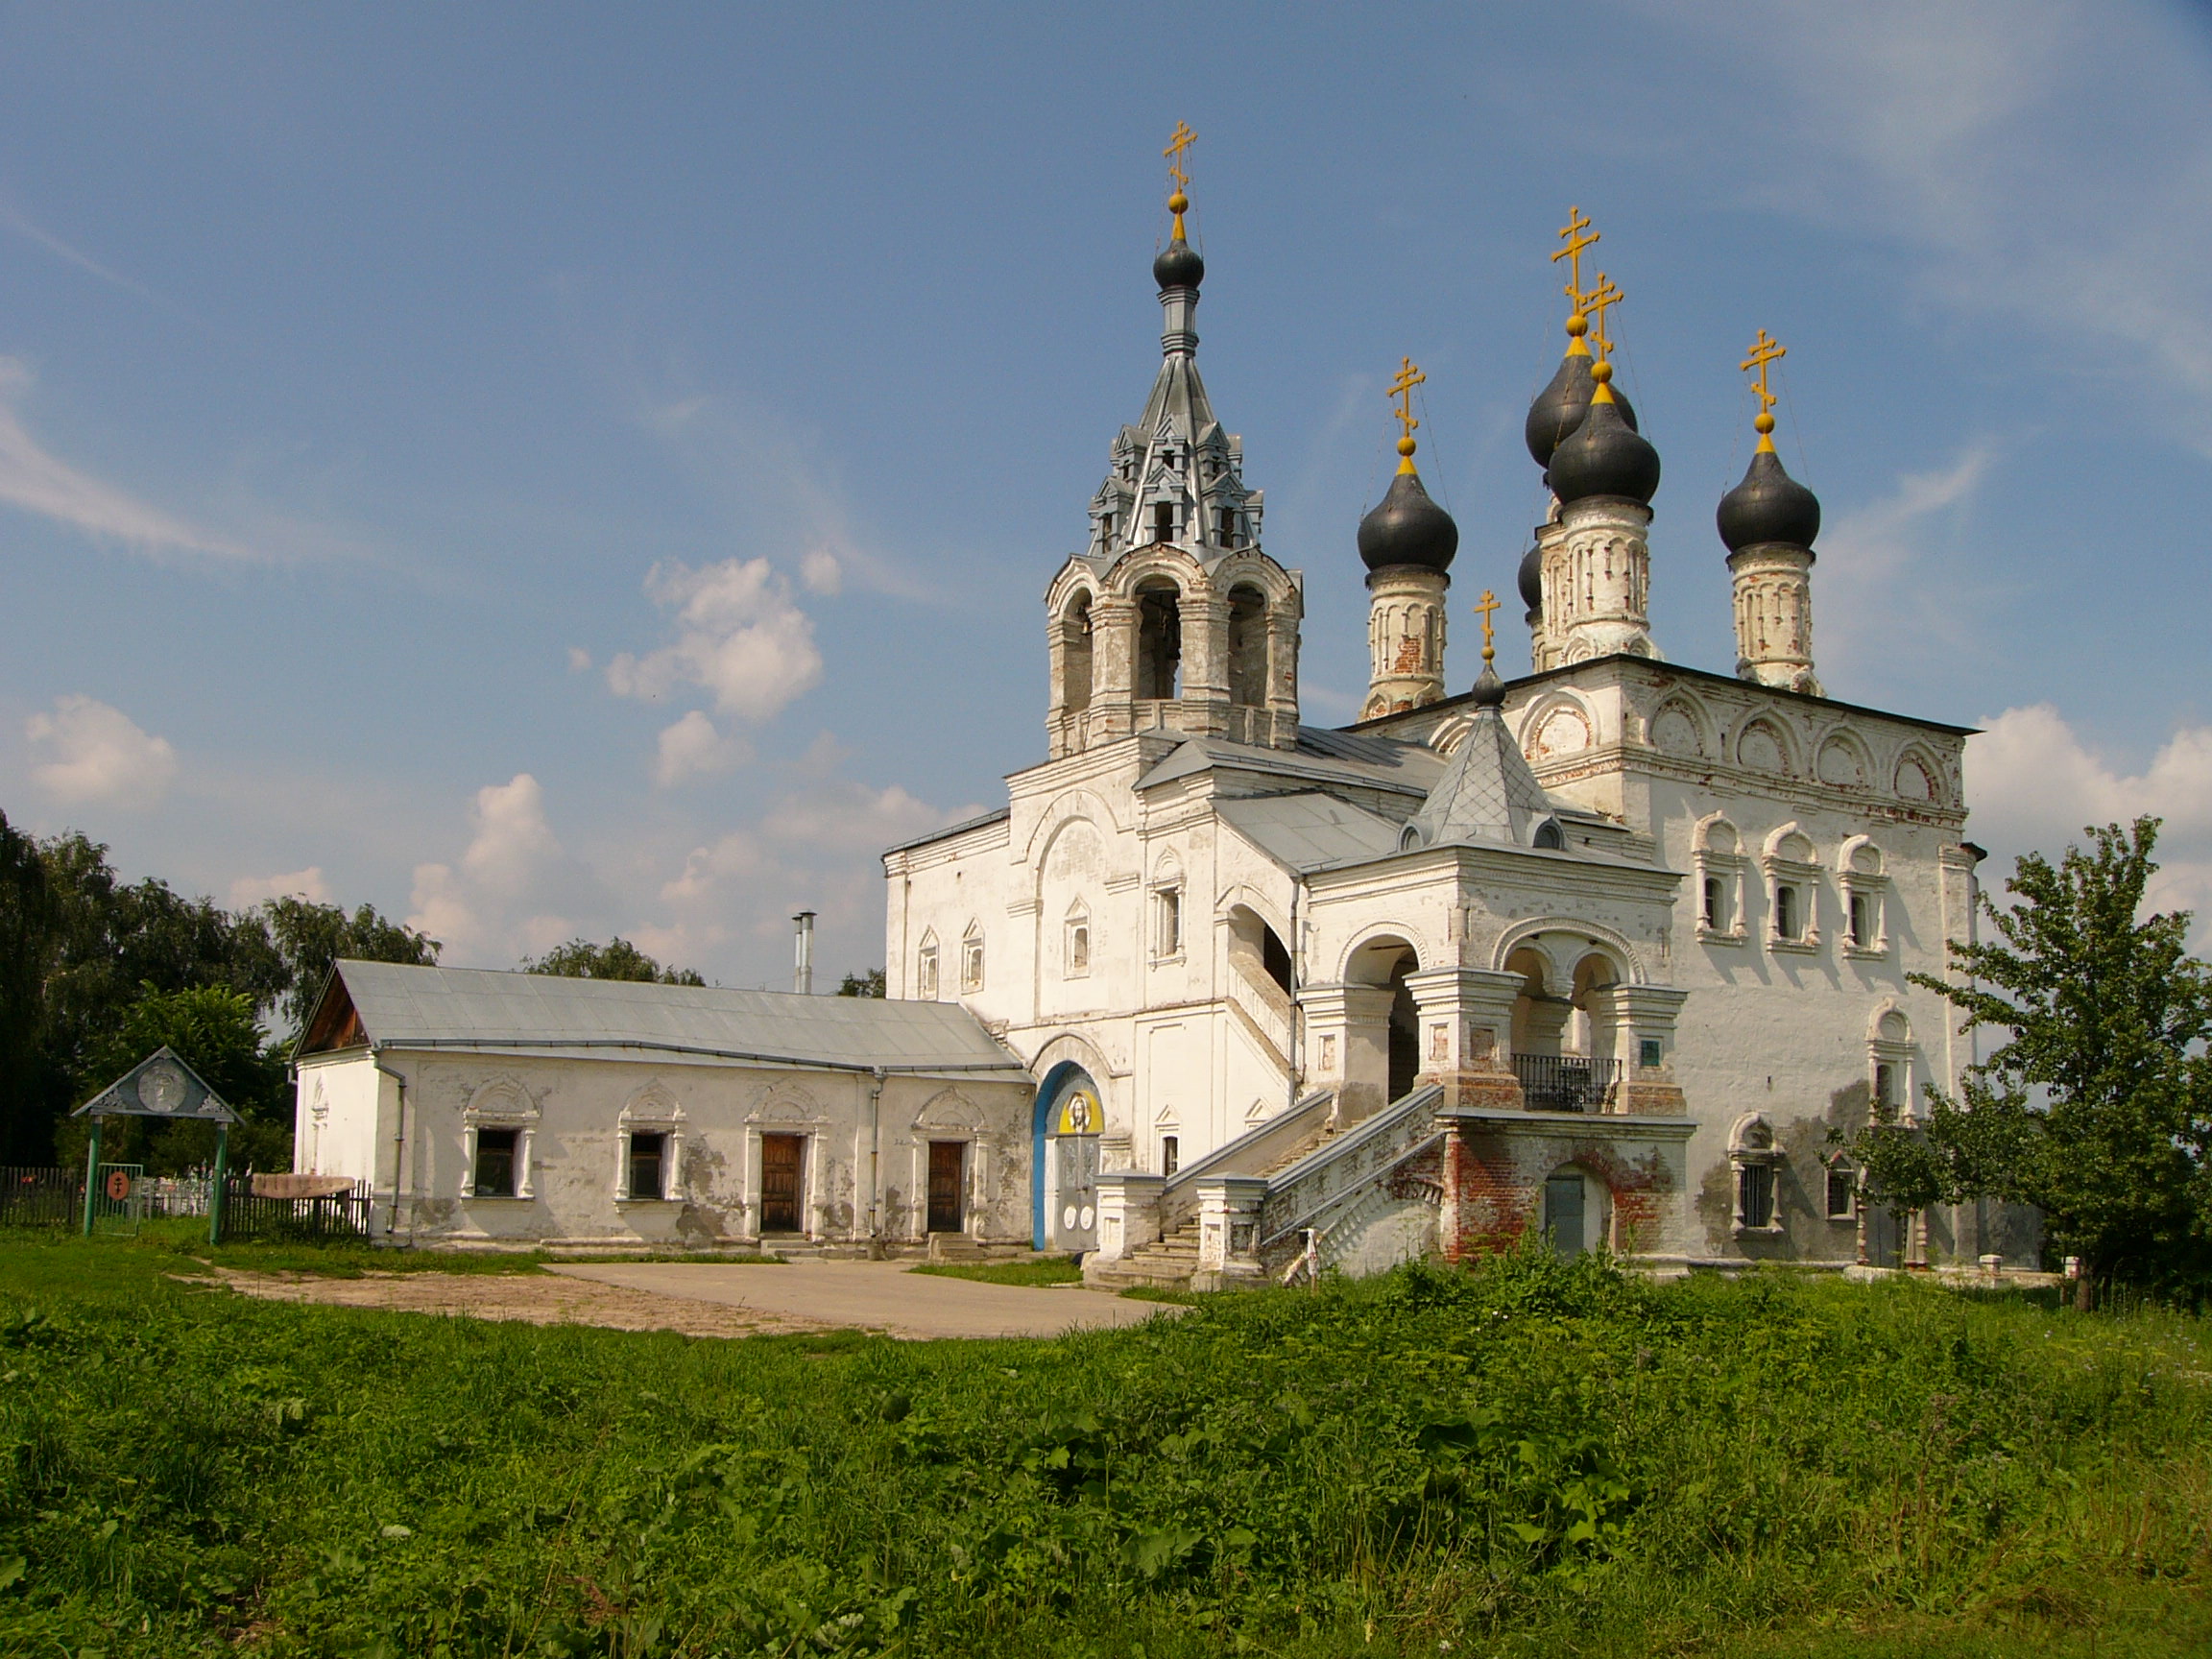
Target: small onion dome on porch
(1407,528)
(1559,408)
(1604,455)
(1769,505)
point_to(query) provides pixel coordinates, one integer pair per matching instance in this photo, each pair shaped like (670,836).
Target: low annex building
(489,1107)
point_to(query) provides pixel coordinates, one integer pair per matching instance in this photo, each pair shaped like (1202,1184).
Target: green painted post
(222,1179)
(91,1176)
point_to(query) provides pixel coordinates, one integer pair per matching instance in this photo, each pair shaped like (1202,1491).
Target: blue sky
(546,469)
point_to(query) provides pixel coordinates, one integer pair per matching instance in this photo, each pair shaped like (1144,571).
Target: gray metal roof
(1487,793)
(1409,769)
(484,1009)
(1311,831)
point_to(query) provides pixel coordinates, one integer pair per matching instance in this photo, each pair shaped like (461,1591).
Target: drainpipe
(399,1148)
(874,1167)
(1297,984)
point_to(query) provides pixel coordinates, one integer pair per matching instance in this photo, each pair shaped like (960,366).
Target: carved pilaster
(1597,580)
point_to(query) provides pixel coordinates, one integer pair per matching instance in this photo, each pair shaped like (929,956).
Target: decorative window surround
(926,969)
(1842,1184)
(1788,863)
(1719,858)
(502,1103)
(652,1110)
(1756,1163)
(972,961)
(1866,899)
(1076,944)
(1167,922)
(1890,1055)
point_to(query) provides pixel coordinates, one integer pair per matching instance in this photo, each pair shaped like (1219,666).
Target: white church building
(1616,948)
(1609,949)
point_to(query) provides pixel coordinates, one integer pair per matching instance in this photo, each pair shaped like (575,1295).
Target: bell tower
(1408,543)
(1173,619)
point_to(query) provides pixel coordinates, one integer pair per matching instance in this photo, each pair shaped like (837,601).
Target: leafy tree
(307,938)
(2098,1108)
(616,959)
(867,984)
(214,1031)
(28,917)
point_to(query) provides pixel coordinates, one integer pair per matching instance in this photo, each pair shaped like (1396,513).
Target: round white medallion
(1068,1218)
(1089,1217)
(161,1087)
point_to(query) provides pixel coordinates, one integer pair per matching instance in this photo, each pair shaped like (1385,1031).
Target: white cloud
(309,883)
(822,573)
(691,748)
(90,752)
(2036,786)
(1881,578)
(498,901)
(2049,163)
(579,660)
(738,636)
(852,817)
(38,482)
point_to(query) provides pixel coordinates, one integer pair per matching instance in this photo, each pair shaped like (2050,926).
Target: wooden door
(1564,1212)
(783,1165)
(948,1183)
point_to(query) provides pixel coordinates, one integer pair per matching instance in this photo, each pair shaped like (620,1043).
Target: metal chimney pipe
(803,974)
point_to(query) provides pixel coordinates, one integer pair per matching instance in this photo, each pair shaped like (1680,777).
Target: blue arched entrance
(1064,1160)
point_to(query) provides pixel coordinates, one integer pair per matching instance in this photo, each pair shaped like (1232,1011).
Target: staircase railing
(1566,1082)
(1314,1184)
(1250,1153)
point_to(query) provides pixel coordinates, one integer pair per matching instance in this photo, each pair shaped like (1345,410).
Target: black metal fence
(246,1215)
(35,1195)
(1565,1082)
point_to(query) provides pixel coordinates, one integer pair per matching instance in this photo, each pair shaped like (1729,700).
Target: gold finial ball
(1601,371)
(1406,445)
(1178,203)
(1763,424)
(1578,324)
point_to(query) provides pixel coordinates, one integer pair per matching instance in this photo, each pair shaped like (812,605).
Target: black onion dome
(1532,578)
(1559,407)
(1605,456)
(1407,528)
(1769,506)
(1489,690)
(1178,266)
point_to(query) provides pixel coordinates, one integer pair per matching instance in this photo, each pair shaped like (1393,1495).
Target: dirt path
(534,1298)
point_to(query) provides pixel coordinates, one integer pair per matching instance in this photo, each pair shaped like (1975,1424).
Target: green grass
(1534,1459)
(1053,1270)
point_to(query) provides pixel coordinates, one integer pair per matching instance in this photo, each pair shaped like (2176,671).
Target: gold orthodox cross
(1408,376)
(1571,235)
(1595,304)
(1180,140)
(1764,351)
(1484,607)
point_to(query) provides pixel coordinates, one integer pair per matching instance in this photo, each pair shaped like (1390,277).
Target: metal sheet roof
(1320,758)
(485,1009)
(1311,832)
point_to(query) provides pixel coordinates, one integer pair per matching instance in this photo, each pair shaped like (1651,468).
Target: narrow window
(1170,1154)
(1162,521)
(971,965)
(1842,1192)
(1078,949)
(495,1174)
(1786,918)
(1755,1194)
(1106,523)
(1228,526)
(1170,921)
(1885,1087)
(646,1155)
(1713,902)
(926,975)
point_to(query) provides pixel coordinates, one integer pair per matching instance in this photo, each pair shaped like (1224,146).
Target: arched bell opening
(1076,656)
(1247,647)
(1159,639)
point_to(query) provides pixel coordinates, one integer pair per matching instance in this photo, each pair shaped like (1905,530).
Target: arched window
(1075,944)
(1752,1152)
(1247,647)
(971,959)
(1720,888)
(1159,639)
(1866,899)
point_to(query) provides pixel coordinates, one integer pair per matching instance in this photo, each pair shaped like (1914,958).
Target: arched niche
(1248,666)
(1385,962)
(1679,728)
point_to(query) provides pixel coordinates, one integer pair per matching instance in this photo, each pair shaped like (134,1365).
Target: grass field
(1530,1459)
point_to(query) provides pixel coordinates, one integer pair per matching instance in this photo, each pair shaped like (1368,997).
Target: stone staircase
(1167,1263)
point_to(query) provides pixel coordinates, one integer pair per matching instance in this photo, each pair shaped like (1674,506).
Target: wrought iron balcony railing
(1565,1082)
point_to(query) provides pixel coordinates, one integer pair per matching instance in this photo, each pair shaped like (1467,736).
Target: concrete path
(877,1296)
